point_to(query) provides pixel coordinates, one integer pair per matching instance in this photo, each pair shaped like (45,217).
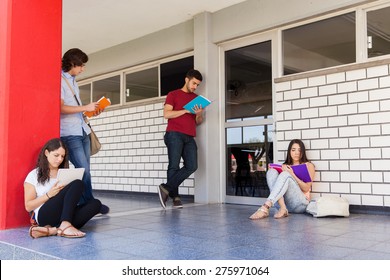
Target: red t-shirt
(186,123)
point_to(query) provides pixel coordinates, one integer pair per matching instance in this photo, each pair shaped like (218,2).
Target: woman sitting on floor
(286,188)
(55,206)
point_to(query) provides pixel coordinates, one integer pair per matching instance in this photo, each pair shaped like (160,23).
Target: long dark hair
(73,57)
(303,158)
(43,164)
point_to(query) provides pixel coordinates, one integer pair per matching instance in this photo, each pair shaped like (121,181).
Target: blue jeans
(284,185)
(80,154)
(179,146)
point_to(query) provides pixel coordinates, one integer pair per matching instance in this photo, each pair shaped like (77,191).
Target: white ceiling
(93,25)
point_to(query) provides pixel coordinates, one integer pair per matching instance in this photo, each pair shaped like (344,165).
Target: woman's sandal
(36,231)
(261,213)
(61,232)
(282,213)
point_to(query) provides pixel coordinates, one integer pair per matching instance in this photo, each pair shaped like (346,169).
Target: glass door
(248,122)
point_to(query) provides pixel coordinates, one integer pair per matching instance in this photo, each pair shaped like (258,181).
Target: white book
(67,175)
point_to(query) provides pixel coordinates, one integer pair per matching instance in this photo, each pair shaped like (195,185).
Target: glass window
(378,32)
(234,135)
(249,150)
(321,44)
(138,85)
(173,74)
(253,134)
(249,82)
(109,87)
(142,84)
(249,134)
(85,93)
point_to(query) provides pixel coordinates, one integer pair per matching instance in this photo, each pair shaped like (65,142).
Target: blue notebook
(200,100)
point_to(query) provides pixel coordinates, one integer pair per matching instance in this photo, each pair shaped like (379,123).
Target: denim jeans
(179,146)
(284,185)
(80,155)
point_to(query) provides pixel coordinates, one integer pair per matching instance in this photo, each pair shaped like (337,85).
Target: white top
(32,178)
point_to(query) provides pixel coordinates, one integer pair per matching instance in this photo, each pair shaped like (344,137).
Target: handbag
(93,139)
(328,206)
(95,143)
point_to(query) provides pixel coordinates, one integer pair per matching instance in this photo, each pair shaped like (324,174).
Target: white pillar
(207,177)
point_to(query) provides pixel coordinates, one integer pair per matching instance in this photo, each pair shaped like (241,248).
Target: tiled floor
(138,229)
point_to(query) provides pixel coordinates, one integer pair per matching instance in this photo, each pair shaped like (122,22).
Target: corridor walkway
(138,229)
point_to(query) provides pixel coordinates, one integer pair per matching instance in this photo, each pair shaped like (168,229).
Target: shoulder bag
(325,206)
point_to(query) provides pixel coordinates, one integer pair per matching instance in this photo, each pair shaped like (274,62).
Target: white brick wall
(344,119)
(133,156)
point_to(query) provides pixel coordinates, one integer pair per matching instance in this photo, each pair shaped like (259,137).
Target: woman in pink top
(291,193)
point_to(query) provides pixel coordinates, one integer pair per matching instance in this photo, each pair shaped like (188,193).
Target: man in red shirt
(179,137)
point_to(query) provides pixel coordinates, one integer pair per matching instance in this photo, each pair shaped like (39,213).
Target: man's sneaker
(177,203)
(163,193)
(104,209)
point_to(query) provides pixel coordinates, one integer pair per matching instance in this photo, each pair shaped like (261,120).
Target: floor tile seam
(328,255)
(314,242)
(133,235)
(371,226)
(347,246)
(119,249)
(375,230)
(86,253)
(329,248)
(287,249)
(184,247)
(191,247)
(378,252)
(364,238)
(108,250)
(353,251)
(28,250)
(189,255)
(364,252)
(142,232)
(147,210)
(113,247)
(380,249)
(325,243)
(330,233)
(268,251)
(356,229)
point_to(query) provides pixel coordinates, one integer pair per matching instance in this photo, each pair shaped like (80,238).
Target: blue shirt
(71,124)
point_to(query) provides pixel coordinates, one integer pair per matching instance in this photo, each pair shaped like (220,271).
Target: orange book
(102,103)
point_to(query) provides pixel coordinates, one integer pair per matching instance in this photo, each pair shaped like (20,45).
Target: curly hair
(43,164)
(303,157)
(73,57)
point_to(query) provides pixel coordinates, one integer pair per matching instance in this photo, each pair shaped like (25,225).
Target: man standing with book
(180,137)
(74,130)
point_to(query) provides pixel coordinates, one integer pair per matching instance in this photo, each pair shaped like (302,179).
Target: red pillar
(30,64)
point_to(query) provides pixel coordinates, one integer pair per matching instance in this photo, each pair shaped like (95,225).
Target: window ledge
(333,70)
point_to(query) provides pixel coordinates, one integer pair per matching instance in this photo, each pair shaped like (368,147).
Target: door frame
(276,66)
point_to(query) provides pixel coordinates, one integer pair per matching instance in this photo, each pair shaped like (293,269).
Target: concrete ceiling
(93,25)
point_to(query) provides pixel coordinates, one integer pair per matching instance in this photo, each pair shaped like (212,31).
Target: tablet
(67,175)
